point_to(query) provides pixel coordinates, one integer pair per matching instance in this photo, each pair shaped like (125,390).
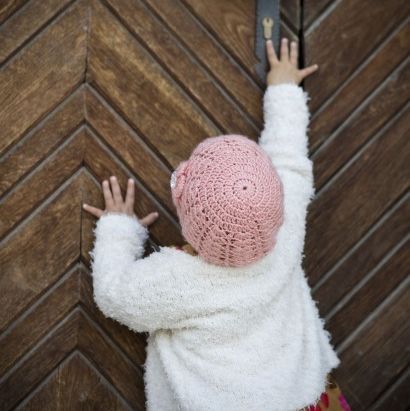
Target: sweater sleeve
(145,294)
(285,140)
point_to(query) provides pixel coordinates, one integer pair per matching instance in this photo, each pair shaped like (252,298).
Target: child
(232,322)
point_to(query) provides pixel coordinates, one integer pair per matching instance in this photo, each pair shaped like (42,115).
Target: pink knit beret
(229,200)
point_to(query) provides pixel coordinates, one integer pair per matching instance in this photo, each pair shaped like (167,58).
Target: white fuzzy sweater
(225,338)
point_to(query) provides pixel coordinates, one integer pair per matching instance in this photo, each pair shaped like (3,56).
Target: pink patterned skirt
(331,400)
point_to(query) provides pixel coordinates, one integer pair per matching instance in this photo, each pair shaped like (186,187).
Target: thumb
(308,71)
(149,219)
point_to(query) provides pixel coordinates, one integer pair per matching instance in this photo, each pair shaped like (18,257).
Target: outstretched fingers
(93,210)
(116,190)
(270,50)
(130,196)
(149,219)
(308,71)
(284,50)
(109,201)
(294,53)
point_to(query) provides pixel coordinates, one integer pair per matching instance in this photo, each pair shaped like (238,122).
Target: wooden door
(94,88)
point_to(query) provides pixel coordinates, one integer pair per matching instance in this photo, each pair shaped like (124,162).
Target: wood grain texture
(372,293)
(18,29)
(121,68)
(8,7)
(34,367)
(358,87)
(60,299)
(24,274)
(337,221)
(135,153)
(198,84)
(230,76)
(75,385)
(291,13)
(388,232)
(356,246)
(377,111)
(313,8)
(230,23)
(381,342)
(122,373)
(25,92)
(49,134)
(357,27)
(44,180)
(91,88)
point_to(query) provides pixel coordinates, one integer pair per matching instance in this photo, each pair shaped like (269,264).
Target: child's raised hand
(286,69)
(115,203)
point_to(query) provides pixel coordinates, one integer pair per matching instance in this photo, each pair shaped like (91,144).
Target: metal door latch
(267,27)
(267,23)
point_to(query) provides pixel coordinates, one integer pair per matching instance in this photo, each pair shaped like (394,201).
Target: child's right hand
(286,69)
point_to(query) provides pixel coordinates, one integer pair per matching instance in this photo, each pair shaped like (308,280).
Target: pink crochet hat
(229,200)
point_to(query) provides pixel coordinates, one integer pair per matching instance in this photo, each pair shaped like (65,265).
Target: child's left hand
(115,203)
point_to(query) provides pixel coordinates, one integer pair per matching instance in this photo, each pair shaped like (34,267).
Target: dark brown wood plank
(291,13)
(370,295)
(336,222)
(364,258)
(396,396)
(41,141)
(47,178)
(60,300)
(102,165)
(75,386)
(41,76)
(127,378)
(229,74)
(198,84)
(354,91)
(19,28)
(24,274)
(132,149)
(8,7)
(313,9)
(392,96)
(377,351)
(39,363)
(233,23)
(356,27)
(119,67)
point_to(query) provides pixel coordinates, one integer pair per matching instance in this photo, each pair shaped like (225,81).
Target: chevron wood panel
(90,88)
(8,7)
(76,374)
(357,251)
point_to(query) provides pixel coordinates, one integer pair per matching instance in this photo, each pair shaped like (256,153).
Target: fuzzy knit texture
(229,200)
(225,338)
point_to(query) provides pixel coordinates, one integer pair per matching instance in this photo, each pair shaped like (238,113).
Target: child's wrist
(279,82)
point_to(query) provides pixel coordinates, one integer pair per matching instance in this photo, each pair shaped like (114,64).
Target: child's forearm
(145,294)
(285,140)
(119,241)
(286,117)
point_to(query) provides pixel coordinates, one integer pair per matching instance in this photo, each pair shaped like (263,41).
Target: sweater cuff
(120,226)
(286,100)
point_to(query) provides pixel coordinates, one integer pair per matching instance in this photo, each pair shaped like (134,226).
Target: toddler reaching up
(232,324)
